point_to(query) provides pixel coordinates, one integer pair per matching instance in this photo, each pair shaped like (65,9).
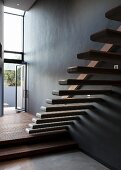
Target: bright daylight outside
(13,48)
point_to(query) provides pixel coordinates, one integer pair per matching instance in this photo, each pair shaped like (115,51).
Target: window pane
(12,56)
(13,10)
(13,32)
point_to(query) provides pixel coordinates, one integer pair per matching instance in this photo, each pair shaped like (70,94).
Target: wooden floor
(16,143)
(12,125)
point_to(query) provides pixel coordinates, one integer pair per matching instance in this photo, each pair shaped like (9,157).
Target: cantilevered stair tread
(72,100)
(66,107)
(89,82)
(50,124)
(107,36)
(59,114)
(93,70)
(47,129)
(100,56)
(40,148)
(114,14)
(80,92)
(55,119)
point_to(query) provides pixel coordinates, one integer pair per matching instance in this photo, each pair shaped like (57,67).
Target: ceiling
(19,4)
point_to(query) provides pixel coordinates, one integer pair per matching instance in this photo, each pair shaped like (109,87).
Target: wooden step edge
(47,120)
(80,92)
(113,14)
(33,138)
(48,129)
(36,149)
(90,82)
(107,36)
(62,114)
(62,82)
(50,124)
(93,70)
(72,100)
(105,32)
(67,107)
(96,55)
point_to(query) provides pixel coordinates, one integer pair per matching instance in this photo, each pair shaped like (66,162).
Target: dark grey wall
(1,60)
(99,132)
(55,31)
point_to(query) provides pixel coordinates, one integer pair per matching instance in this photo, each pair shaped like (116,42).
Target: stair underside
(93,70)
(100,56)
(89,82)
(107,36)
(114,14)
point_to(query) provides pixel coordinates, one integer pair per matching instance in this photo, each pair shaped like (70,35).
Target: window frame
(16,52)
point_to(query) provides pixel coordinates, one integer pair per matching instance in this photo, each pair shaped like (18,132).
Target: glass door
(21,91)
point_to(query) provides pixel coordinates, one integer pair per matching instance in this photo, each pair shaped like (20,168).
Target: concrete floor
(75,160)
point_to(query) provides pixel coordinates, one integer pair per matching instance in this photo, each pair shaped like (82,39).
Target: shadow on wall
(99,131)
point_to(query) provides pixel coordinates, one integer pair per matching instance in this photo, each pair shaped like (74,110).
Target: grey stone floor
(75,160)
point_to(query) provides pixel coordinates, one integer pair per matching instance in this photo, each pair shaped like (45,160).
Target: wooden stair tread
(80,92)
(59,114)
(96,55)
(46,129)
(93,70)
(65,107)
(15,152)
(72,100)
(114,14)
(89,82)
(107,36)
(55,119)
(50,124)
(30,139)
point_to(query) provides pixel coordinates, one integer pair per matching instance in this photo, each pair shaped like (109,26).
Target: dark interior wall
(98,132)
(55,31)
(1,60)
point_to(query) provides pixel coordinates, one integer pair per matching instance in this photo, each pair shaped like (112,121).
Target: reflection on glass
(12,56)
(13,32)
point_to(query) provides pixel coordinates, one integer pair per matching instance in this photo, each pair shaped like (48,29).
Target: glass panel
(12,56)
(13,10)
(20,87)
(13,32)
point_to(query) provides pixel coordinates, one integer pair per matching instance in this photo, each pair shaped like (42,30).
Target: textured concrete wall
(55,31)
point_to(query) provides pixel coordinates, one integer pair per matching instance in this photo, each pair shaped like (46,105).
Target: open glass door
(21,91)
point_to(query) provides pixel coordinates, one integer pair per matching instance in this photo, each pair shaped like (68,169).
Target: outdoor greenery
(10,78)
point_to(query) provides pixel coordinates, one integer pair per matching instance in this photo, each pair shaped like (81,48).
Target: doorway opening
(15,69)
(15,92)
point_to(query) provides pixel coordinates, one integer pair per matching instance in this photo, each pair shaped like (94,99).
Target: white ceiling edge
(24,5)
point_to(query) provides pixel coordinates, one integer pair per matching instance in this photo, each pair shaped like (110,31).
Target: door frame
(25,91)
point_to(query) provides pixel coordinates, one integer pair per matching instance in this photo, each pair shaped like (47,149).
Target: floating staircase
(68,109)
(55,121)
